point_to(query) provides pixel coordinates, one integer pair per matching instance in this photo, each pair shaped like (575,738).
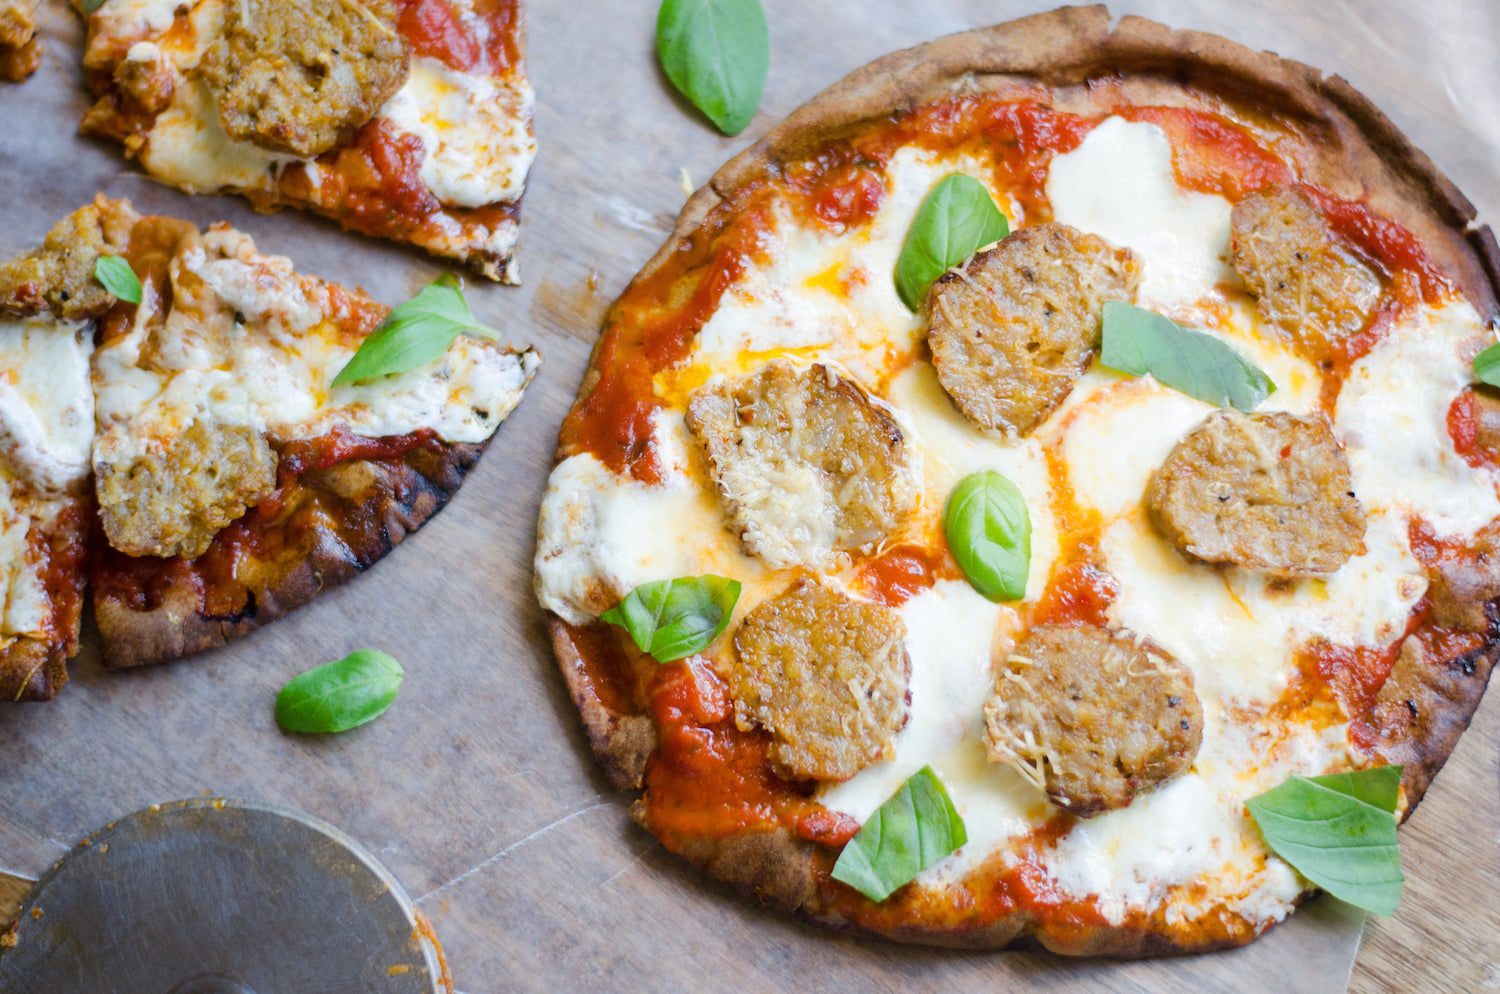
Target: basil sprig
(989,531)
(341,695)
(415,333)
(915,828)
(957,218)
(1487,365)
(1339,831)
(672,619)
(1138,341)
(717,53)
(118,278)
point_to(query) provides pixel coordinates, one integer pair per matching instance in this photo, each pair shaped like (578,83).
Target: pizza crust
(1363,156)
(406,494)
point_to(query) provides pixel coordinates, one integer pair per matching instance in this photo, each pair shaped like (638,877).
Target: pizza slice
(400,119)
(196,443)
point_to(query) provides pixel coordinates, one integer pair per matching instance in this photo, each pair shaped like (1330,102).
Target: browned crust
(1361,155)
(621,742)
(410,492)
(34,670)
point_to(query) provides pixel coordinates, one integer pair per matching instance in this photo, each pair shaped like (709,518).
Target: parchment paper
(476,788)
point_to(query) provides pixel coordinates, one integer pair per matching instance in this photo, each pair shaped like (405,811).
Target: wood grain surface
(476,789)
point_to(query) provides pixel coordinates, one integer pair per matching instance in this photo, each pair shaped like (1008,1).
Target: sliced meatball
(60,274)
(1265,491)
(172,502)
(1462,585)
(1304,280)
(20,49)
(826,676)
(299,76)
(1011,332)
(144,80)
(806,464)
(1092,717)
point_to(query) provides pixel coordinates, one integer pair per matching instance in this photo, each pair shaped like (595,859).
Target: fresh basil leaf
(415,333)
(89,6)
(338,696)
(989,531)
(1487,365)
(1339,831)
(118,278)
(672,619)
(957,218)
(1138,341)
(915,828)
(716,52)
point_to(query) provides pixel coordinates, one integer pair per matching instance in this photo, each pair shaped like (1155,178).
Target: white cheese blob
(26,608)
(478,145)
(46,403)
(1119,184)
(1393,418)
(188,147)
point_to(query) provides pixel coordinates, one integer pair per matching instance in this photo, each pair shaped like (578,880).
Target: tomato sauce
(434,29)
(904,572)
(1464,416)
(707,778)
(1388,245)
(1078,593)
(373,184)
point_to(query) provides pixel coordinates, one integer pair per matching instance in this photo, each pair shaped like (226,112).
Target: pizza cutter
(214,896)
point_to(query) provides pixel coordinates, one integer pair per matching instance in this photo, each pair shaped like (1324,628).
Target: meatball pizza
(1208,409)
(192,456)
(401,119)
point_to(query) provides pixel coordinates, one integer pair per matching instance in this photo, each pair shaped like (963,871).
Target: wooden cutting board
(477,789)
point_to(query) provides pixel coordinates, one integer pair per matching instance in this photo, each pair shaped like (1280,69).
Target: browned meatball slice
(826,676)
(1265,491)
(299,76)
(1012,331)
(173,500)
(806,465)
(1091,717)
(1304,280)
(60,275)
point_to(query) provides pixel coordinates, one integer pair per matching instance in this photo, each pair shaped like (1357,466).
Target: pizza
(1259,542)
(20,49)
(190,459)
(400,119)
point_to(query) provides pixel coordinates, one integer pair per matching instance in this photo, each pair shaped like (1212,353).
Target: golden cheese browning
(1011,331)
(1092,717)
(299,76)
(20,49)
(1265,491)
(826,676)
(1303,279)
(60,274)
(806,464)
(173,499)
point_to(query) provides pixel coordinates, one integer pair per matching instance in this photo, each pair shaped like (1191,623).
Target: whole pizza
(1045,442)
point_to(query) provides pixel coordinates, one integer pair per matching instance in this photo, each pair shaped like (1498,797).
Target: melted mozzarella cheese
(1393,417)
(46,404)
(477,144)
(26,608)
(247,344)
(188,147)
(1119,184)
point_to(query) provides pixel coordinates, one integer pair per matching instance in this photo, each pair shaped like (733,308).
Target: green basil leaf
(415,333)
(915,828)
(1339,831)
(89,6)
(1138,341)
(118,278)
(989,531)
(1487,365)
(338,696)
(672,619)
(716,52)
(957,219)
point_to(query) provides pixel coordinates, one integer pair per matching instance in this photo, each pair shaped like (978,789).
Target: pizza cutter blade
(213,896)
